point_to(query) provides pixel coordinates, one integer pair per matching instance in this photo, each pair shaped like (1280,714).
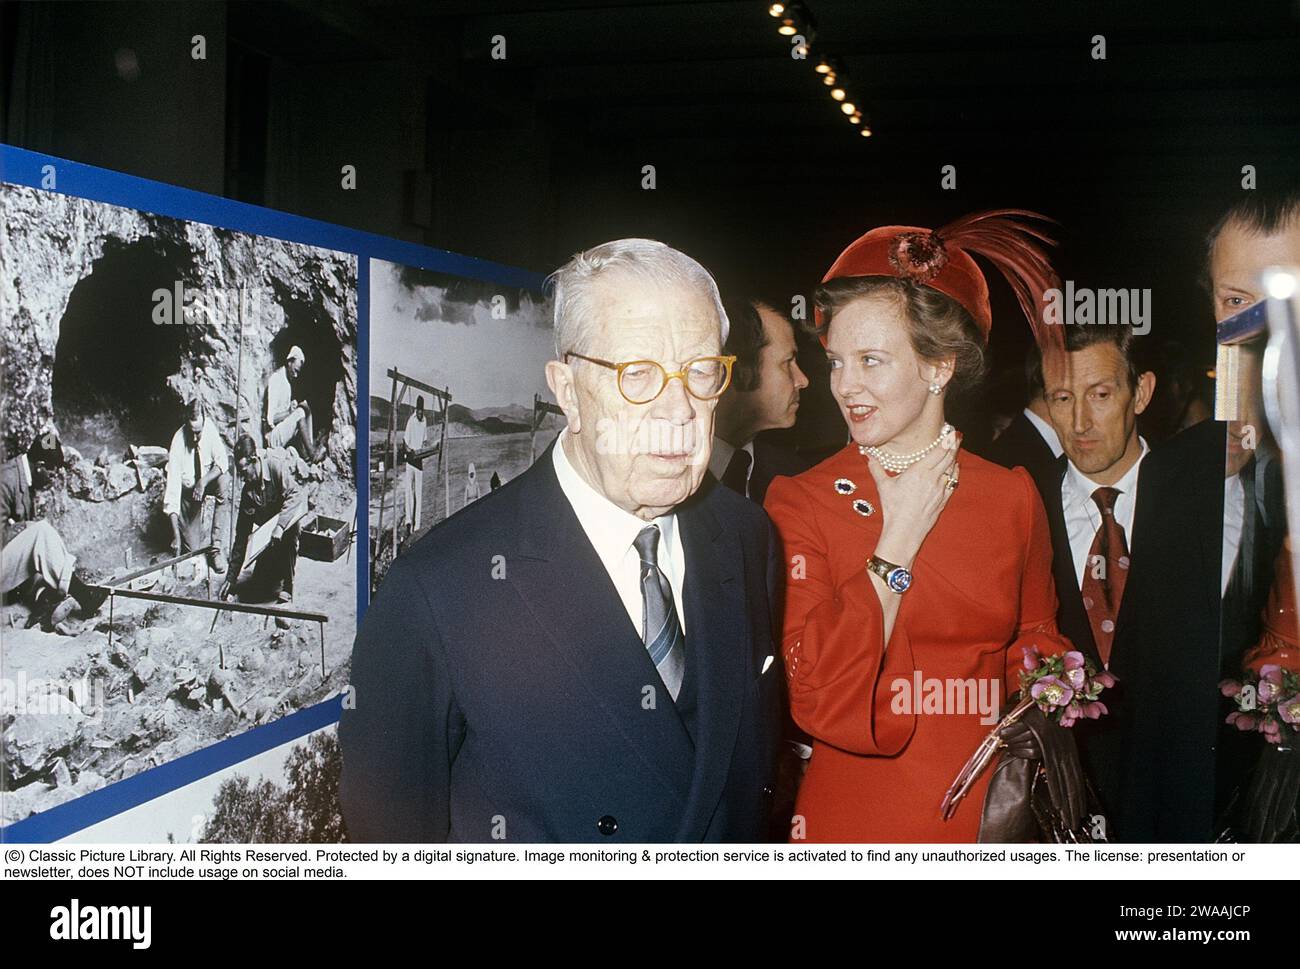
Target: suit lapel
(1072,617)
(713,598)
(565,585)
(1145,518)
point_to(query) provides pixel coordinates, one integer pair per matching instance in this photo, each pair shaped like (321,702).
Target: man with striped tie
(586,653)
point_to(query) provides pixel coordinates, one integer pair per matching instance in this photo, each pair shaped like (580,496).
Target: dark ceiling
(527,159)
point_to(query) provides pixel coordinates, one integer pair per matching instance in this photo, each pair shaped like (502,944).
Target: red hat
(941,259)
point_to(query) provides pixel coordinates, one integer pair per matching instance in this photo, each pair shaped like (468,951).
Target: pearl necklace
(898,463)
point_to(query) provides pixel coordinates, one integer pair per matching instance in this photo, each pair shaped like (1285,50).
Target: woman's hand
(910,503)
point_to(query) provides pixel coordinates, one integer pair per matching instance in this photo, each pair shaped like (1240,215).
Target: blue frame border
(33,170)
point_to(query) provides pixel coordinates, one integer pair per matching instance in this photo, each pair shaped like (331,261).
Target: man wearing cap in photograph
(586,653)
(287,419)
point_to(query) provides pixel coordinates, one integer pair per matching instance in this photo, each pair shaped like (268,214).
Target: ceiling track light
(848,107)
(795,19)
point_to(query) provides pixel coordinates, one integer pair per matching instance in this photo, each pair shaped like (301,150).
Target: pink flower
(1272,732)
(1243,721)
(1103,681)
(1289,709)
(1050,692)
(1094,710)
(1031,658)
(1270,683)
(1074,660)
(1229,687)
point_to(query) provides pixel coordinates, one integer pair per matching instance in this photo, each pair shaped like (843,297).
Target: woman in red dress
(918,574)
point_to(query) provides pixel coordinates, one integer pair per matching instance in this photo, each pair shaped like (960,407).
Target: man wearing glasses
(586,653)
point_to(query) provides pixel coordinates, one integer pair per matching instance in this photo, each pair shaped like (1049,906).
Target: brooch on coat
(844,486)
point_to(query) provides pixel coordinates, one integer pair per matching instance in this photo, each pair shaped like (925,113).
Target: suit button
(767,791)
(608,825)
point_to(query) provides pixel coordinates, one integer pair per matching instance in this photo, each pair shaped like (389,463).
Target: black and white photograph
(458,397)
(179,450)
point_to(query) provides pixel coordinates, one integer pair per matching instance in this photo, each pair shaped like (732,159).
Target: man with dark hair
(196,468)
(1137,574)
(270,492)
(766,381)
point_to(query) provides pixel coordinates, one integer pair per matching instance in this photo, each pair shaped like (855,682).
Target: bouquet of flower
(1065,687)
(1267,701)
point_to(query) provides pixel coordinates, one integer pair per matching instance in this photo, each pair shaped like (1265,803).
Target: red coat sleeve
(1038,604)
(836,662)
(1279,643)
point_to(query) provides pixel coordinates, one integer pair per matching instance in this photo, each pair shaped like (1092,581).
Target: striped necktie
(660,629)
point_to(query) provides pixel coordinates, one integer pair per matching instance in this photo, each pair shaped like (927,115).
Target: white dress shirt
(611,531)
(180,463)
(1047,432)
(721,458)
(413,436)
(1083,517)
(1234,520)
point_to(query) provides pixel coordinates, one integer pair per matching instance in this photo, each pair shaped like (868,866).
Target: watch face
(900,580)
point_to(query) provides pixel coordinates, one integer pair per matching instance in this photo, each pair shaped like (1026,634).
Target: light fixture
(855,119)
(865,132)
(776,9)
(787,28)
(848,107)
(829,79)
(1279,284)
(823,66)
(838,93)
(802,49)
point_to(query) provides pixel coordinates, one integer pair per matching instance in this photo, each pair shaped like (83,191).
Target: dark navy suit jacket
(501,689)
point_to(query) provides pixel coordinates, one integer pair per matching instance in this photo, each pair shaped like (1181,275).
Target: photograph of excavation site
(458,398)
(179,434)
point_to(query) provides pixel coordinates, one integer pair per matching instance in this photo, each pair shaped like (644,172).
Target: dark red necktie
(1105,573)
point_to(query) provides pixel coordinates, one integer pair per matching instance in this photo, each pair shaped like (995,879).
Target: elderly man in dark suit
(586,653)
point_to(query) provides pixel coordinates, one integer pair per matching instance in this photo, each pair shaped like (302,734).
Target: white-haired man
(586,653)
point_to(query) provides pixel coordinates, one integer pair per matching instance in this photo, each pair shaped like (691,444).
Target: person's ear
(559,377)
(1146,389)
(940,371)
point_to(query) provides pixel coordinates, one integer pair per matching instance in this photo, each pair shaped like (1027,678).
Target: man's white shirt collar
(1082,487)
(612,530)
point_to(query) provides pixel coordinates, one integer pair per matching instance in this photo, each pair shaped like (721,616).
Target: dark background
(528,159)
